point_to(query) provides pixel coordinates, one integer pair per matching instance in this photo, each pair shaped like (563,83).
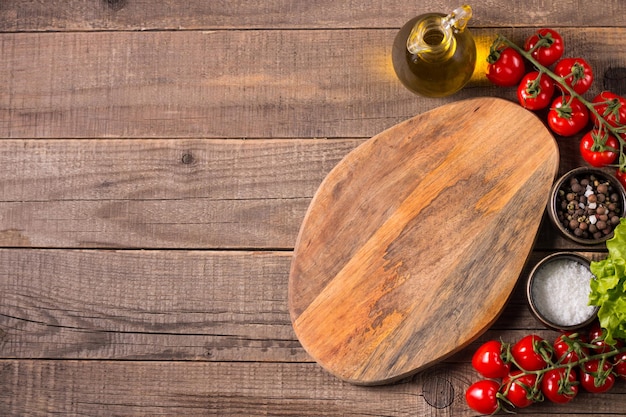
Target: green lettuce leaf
(617,244)
(608,289)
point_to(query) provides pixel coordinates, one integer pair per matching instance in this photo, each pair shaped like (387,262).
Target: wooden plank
(110,304)
(166,169)
(160,193)
(184,84)
(176,193)
(170,305)
(116,303)
(72,15)
(262,224)
(204,84)
(104,388)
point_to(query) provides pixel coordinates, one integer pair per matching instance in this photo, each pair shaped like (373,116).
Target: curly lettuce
(608,289)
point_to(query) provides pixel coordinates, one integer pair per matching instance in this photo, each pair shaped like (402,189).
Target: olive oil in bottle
(434,55)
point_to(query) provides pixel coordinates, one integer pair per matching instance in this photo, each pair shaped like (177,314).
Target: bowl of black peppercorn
(586,204)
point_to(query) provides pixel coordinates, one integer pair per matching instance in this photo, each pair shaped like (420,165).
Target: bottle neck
(431,40)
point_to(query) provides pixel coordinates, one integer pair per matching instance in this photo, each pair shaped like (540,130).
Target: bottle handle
(458,19)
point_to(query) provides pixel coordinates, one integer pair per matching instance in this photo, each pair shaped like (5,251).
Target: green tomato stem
(565,87)
(568,367)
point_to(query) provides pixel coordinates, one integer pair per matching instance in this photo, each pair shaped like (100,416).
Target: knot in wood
(438,392)
(615,80)
(187,158)
(115,5)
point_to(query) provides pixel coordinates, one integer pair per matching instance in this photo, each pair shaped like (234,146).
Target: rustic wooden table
(157,161)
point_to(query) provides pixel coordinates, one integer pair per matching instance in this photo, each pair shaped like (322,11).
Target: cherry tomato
(567,350)
(520,391)
(567,116)
(535,93)
(505,67)
(547,46)
(621,177)
(599,150)
(596,338)
(559,386)
(526,353)
(482,397)
(619,365)
(595,379)
(611,107)
(577,73)
(487,360)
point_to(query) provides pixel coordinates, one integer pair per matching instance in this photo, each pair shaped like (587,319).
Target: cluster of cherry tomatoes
(558,84)
(533,369)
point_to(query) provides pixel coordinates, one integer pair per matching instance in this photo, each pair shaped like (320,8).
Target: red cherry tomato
(505,67)
(595,378)
(567,349)
(611,107)
(482,397)
(567,116)
(599,150)
(547,46)
(596,338)
(534,92)
(527,353)
(519,390)
(487,360)
(559,386)
(576,72)
(619,365)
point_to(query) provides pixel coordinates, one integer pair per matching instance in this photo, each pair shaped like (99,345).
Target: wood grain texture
(217,306)
(176,305)
(149,388)
(391,244)
(83,351)
(204,84)
(178,141)
(84,15)
(160,193)
(173,193)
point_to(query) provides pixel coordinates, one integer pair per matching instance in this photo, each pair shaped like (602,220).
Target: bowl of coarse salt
(558,292)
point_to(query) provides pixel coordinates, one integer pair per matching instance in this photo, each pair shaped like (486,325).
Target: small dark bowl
(562,184)
(534,305)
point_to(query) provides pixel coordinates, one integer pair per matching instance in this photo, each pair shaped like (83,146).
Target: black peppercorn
(588,206)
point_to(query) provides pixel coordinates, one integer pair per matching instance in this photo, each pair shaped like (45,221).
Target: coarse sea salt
(560,291)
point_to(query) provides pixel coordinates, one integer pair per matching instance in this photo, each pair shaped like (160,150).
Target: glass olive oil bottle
(434,55)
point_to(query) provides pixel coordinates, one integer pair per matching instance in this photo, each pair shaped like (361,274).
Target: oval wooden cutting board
(414,242)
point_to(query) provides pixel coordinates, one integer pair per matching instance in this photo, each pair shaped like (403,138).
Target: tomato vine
(538,370)
(573,77)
